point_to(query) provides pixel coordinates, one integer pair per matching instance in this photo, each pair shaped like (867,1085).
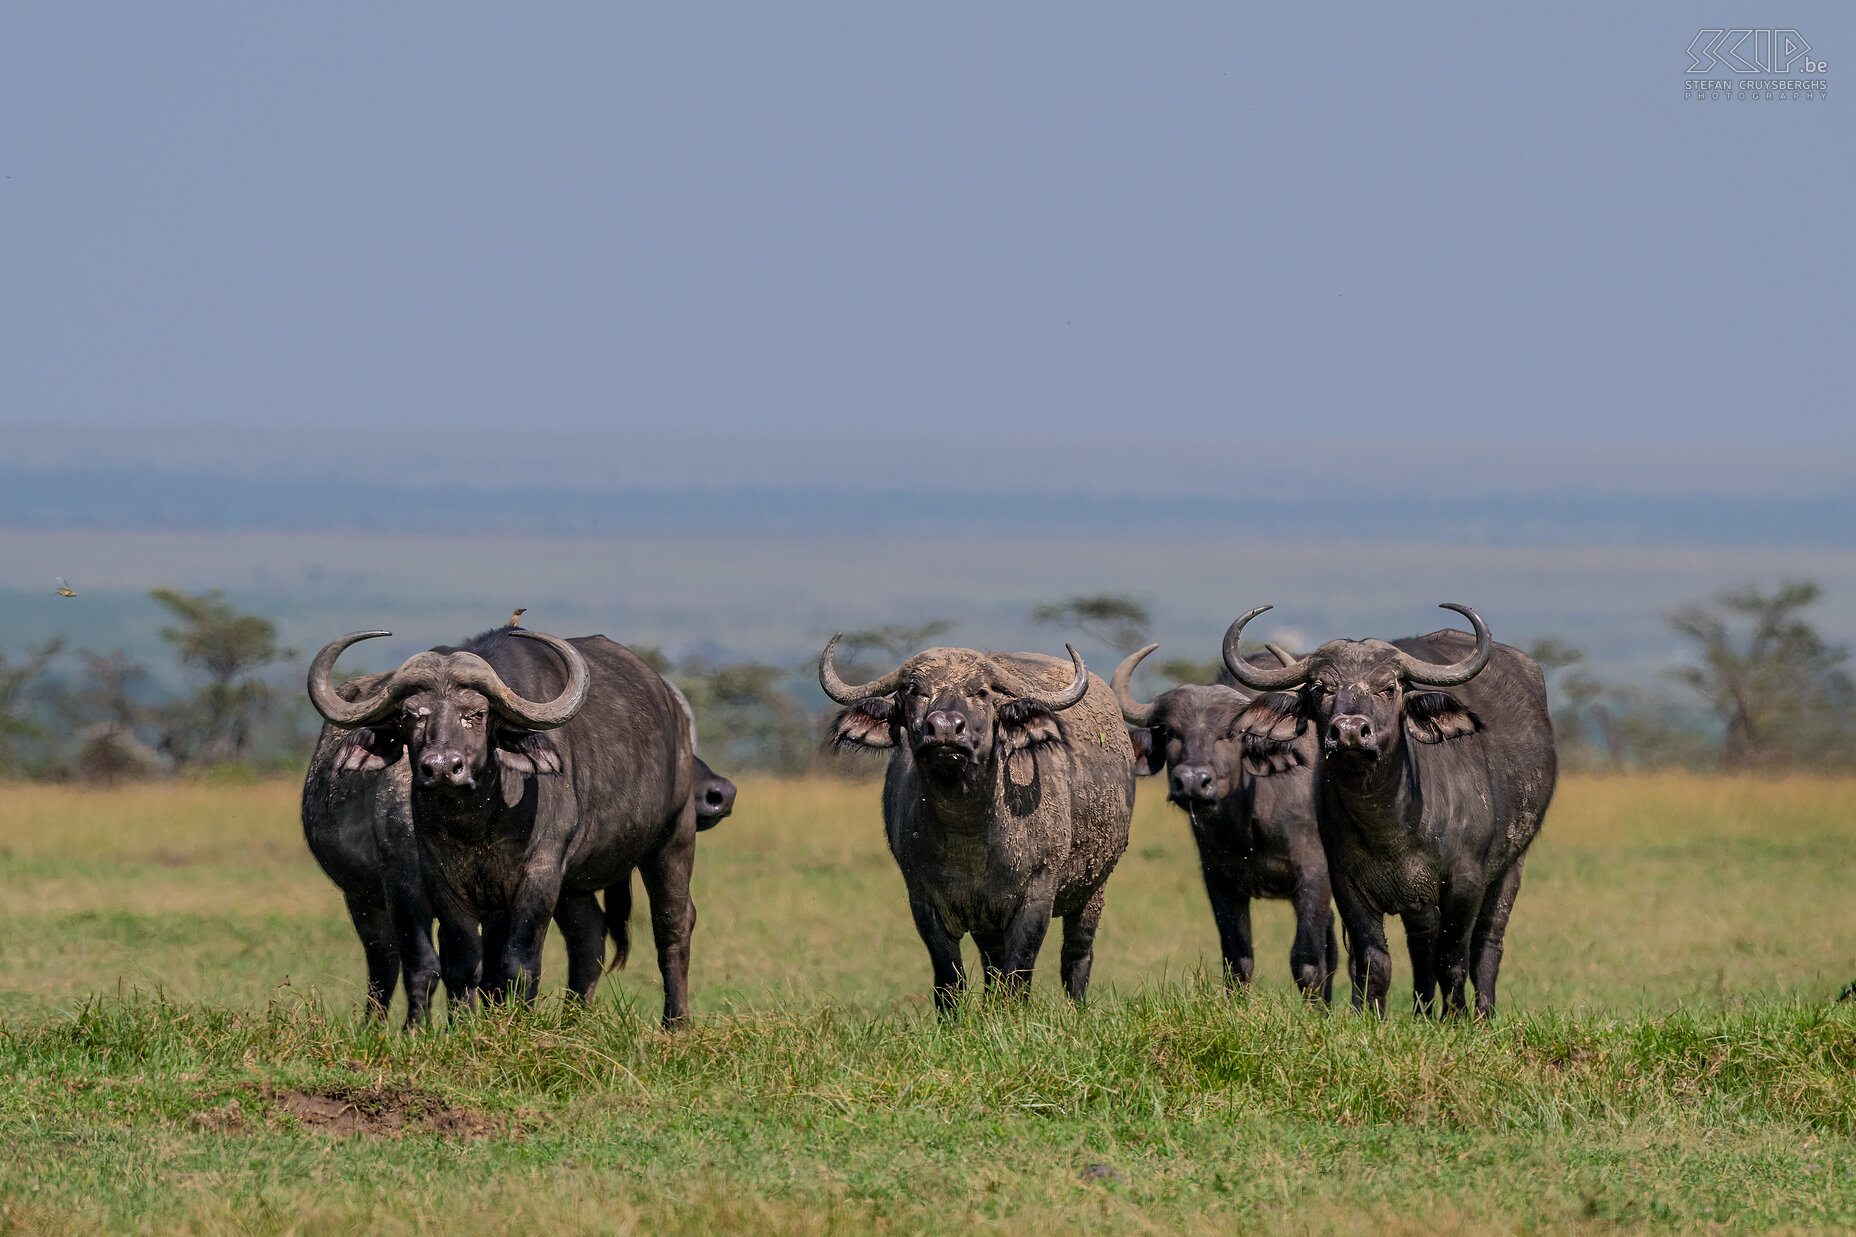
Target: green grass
(1669,1056)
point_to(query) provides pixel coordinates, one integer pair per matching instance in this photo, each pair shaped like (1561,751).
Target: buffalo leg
(497,979)
(523,930)
(410,903)
(1314,938)
(991,945)
(1231,912)
(419,968)
(583,928)
(1486,946)
(460,951)
(1369,963)
(1079,947)
(1333,965)
(943,951)
(1025,936)
(666,876)
(1421,932)
(374,925)
(619,920)
(1462,906)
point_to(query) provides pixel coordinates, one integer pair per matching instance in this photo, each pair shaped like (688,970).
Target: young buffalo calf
(1252,807)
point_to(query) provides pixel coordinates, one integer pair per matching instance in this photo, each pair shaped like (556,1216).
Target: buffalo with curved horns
(539,771)
(1251,805)
(1426,800)
(358,825)
(1007,801)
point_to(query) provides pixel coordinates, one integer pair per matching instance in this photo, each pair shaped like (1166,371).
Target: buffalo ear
(1275,716)
(365,748)
(871,722)
(1149,751)
(527,751)
(714,794)
(1432,717)
(1264,757)
(1025,723)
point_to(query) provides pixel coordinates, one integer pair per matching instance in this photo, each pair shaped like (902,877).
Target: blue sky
(1476,222)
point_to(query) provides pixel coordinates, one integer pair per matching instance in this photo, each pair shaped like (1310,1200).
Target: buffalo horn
(1430,674)
(1133,711)
(845,693)
(1052,701)
(344,713)
(536,715)
(1291,673)
(430,669)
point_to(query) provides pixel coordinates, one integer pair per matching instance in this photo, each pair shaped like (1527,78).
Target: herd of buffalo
(508,782)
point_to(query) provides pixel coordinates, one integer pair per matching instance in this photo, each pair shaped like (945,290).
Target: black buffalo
(1251,804)
(1427,800)
(358,825)
(516,825)
(1007,801)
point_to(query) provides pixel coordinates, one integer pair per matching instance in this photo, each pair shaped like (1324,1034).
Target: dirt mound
(384,1111)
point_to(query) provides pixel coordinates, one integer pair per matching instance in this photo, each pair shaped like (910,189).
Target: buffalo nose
(1192,782)
(946,727)
(1350,730)
(436,765)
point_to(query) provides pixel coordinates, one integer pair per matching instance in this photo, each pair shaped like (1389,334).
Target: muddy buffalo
(1251,805)
(540,771)
(1007,801)
(1426,800)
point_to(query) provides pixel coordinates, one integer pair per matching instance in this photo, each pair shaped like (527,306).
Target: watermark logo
(1777,64)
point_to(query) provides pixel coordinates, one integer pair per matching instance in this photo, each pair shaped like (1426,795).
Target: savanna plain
(180,1047)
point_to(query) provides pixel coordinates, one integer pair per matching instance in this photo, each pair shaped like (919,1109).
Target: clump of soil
(228,1116)
(384,1111)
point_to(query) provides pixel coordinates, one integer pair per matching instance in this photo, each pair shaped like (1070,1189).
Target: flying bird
(65,590)
(515,619)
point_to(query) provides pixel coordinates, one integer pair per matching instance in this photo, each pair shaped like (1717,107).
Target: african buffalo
(515,825)
(359,828)
(1251,804)
(1426,800)
(1007,801)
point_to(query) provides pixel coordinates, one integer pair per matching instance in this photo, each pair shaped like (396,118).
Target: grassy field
(178,1037)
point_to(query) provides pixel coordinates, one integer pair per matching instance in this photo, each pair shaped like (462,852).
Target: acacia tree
(1777,686)
(1115,619)
(16,679)
(230,650)
(895,641)
(108,694)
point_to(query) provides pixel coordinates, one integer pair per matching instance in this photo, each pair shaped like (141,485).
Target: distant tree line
(104,720)
(1761,690)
